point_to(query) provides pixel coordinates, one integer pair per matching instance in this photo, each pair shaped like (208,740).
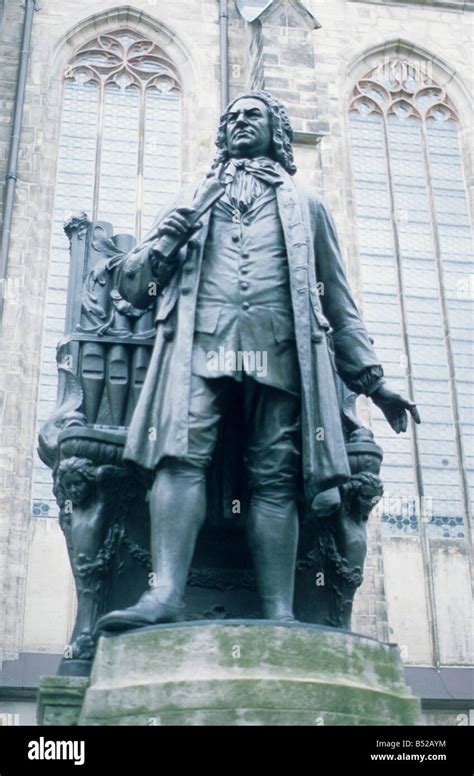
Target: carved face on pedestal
(76,480)
(77,488)
(369,496)
(249,129)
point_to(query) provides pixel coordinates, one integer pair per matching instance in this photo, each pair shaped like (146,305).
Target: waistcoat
(244,302)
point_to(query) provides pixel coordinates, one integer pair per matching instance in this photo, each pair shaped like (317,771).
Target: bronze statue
(253,311)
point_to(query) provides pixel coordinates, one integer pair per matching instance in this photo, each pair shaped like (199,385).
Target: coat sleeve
(141,277)
(356,361)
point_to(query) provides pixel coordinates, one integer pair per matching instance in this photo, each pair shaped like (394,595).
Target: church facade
(120,109)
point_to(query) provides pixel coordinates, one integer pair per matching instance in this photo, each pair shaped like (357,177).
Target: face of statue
(249,130)
(367,501)
(76,487)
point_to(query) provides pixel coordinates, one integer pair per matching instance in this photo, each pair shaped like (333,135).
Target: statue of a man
(257,303)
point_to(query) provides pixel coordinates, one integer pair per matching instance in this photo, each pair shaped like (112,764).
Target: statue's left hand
(395,407)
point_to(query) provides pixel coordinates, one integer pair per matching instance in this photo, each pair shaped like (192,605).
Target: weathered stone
(236,673)
(60,700)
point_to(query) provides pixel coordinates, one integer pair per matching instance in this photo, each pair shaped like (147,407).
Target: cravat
(247,179)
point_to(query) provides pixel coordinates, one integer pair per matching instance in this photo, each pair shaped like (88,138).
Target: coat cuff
(367,381)
(161,270)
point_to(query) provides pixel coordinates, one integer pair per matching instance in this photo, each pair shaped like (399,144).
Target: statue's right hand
(180,224)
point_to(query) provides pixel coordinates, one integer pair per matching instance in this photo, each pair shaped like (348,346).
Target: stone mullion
(424,542)
(98,150)
(140,169)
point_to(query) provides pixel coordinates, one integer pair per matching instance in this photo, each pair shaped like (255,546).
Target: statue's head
(75,480)
(256,124)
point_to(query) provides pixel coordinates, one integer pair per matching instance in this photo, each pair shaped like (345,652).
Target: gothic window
(415,245)
(119,161)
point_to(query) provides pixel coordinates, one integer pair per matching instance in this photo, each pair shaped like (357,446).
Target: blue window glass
(119,159)
(415,246)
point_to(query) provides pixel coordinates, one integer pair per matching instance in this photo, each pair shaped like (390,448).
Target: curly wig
(282,131)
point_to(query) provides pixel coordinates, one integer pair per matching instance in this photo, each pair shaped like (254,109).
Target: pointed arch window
(119,161)
(415,243)
(121,127)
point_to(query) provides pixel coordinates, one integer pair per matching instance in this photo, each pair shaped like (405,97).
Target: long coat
(322,303)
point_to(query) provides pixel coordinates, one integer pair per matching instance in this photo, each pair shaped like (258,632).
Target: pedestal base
(60,700)
(246,673)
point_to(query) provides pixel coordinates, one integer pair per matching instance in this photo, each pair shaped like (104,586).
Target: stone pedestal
(246,673)
(60,699)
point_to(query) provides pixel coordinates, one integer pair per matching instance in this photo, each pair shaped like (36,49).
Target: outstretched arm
(356,360)
(395,407)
